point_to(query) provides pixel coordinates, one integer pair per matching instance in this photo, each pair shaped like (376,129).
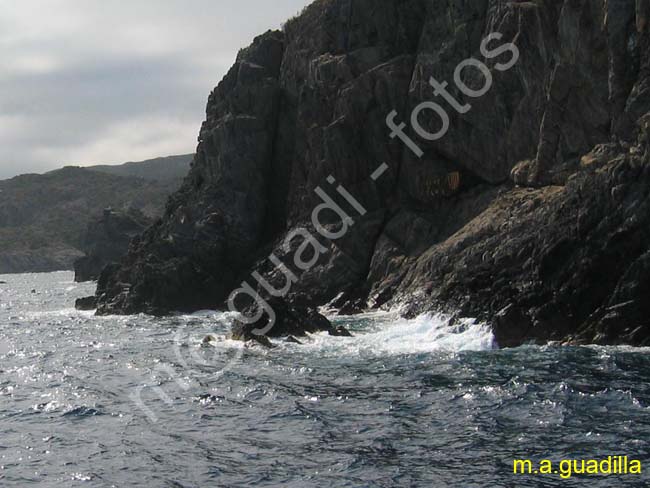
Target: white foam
(389,334)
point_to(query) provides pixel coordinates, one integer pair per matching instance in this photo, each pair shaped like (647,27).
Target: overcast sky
(110,81)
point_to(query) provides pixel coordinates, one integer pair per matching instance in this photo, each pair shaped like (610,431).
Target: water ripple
(416,403)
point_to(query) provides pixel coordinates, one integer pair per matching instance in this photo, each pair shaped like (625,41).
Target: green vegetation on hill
(43,217)
(160,169)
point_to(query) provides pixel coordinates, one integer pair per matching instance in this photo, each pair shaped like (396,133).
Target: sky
(109,81)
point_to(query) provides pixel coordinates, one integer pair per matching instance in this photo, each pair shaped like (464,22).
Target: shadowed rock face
(107,239)
(214,223)
(561,256)
(289,321)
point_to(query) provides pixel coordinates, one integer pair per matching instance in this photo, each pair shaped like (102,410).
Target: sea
(141,401)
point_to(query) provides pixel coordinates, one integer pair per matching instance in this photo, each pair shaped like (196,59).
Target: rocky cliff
(531,212)
(107,240)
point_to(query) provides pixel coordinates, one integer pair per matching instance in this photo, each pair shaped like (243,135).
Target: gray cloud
(94,81)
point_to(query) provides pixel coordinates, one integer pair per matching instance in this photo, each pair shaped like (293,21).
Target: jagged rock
(215,222)
(340,331)
(290,320)
(307,108)
(86,304)
(554,262)
(520,174)
(107,241)
(209,339)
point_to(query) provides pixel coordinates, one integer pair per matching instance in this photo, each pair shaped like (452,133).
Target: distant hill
(159,169)
(43,218)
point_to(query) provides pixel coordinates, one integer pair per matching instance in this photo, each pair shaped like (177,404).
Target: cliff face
(562,254)
(107,240)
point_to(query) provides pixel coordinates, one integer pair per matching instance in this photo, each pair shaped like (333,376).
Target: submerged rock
(340,331)
(86,304)
(209,339)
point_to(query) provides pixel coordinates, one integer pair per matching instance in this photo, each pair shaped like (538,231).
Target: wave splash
(386,333)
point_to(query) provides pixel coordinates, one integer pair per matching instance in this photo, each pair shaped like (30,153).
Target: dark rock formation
(563,256)
(290,320)
(340,331)
(216,221)
(86,303)
(107,241)
(555,263)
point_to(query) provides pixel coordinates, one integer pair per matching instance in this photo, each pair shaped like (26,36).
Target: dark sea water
(403,404)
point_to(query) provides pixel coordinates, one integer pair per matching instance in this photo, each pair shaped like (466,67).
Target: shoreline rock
(291,321)
(86,304)
(562,256)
